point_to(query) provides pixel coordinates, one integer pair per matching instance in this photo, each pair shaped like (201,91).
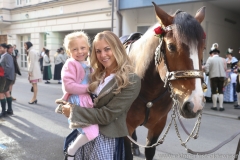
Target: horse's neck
(152,83)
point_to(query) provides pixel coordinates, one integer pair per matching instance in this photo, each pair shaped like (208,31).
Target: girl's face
(79,49)
(105,55)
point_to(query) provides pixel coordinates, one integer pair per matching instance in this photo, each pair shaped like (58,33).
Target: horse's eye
(171,47)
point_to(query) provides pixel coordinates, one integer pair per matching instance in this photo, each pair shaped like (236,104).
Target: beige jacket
(33,64)
(216,67)
(110,111)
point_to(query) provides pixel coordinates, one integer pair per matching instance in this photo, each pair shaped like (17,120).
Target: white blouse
(103,83)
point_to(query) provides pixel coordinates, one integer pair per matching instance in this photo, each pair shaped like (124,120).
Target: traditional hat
(214,51)
(229,51)
(214,48)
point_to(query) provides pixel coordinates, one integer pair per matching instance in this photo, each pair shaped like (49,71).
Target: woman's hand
(66,109)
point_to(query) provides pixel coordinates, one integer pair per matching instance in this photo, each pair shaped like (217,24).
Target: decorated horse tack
(160,56)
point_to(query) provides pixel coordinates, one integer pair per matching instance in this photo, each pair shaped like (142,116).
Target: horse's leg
(153,134)
(127,145)
(135,148)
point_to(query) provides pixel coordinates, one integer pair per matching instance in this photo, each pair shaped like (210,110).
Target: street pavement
(36,132)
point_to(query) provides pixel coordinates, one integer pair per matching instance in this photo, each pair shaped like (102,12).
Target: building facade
(46,22)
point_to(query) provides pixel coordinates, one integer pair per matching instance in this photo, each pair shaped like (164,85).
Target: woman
(47,73)
(229,91)
(34,72)
(116,87)
(59,60)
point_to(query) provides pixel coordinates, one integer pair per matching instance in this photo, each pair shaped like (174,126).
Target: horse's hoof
(135,151)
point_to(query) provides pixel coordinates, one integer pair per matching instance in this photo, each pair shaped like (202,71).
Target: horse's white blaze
(197,95)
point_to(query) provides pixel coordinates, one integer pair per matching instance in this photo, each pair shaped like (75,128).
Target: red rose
(158,30)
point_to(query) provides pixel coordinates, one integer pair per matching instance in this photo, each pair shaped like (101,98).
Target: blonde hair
(68,38)
(123,68)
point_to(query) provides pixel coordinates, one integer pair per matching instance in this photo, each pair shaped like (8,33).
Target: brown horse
(178,64)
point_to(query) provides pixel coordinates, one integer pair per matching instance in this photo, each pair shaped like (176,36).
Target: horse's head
(180,60)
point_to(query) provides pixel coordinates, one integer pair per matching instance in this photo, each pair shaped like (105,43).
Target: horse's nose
(187,110)
(188,107)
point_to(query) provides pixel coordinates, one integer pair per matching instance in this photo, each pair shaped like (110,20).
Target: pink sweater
(72,75)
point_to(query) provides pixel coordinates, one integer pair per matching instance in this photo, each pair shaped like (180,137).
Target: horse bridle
(160,56)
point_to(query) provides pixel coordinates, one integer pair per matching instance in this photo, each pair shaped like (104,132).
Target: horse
(171,72)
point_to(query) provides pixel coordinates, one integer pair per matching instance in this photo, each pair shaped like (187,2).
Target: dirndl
(102,148)
(47,73)
(57,71)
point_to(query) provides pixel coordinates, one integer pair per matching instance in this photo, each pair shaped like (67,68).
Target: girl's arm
(69,77)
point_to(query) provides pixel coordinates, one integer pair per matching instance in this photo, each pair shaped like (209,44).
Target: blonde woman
(116,87)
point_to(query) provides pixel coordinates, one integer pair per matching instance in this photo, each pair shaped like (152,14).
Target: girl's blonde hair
(123,68)
(68,38)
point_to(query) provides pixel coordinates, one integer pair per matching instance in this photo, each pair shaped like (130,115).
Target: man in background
(6,62)
(216,69)
(15,51)
(10,51)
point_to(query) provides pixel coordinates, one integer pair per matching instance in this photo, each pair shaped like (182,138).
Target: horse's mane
(143,50)
(187,30)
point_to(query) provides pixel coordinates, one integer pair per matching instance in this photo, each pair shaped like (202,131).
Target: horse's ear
(163,16)
(200,14)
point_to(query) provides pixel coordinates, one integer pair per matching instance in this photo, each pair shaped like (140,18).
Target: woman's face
(78,49)
(105,55)
(25,46)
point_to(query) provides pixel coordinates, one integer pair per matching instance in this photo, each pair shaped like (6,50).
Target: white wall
(220,31)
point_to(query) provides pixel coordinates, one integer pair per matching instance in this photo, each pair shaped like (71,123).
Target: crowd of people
(223,78)
(45,64)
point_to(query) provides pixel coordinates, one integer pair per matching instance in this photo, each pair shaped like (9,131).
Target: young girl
(75,73)
(47,73)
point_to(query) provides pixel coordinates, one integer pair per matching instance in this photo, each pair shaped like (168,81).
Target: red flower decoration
(159,31)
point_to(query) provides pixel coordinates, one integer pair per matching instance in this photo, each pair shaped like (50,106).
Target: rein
(170,76)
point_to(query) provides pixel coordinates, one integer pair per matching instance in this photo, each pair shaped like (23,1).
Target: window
(28,1)
(45,40)
(18,2)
